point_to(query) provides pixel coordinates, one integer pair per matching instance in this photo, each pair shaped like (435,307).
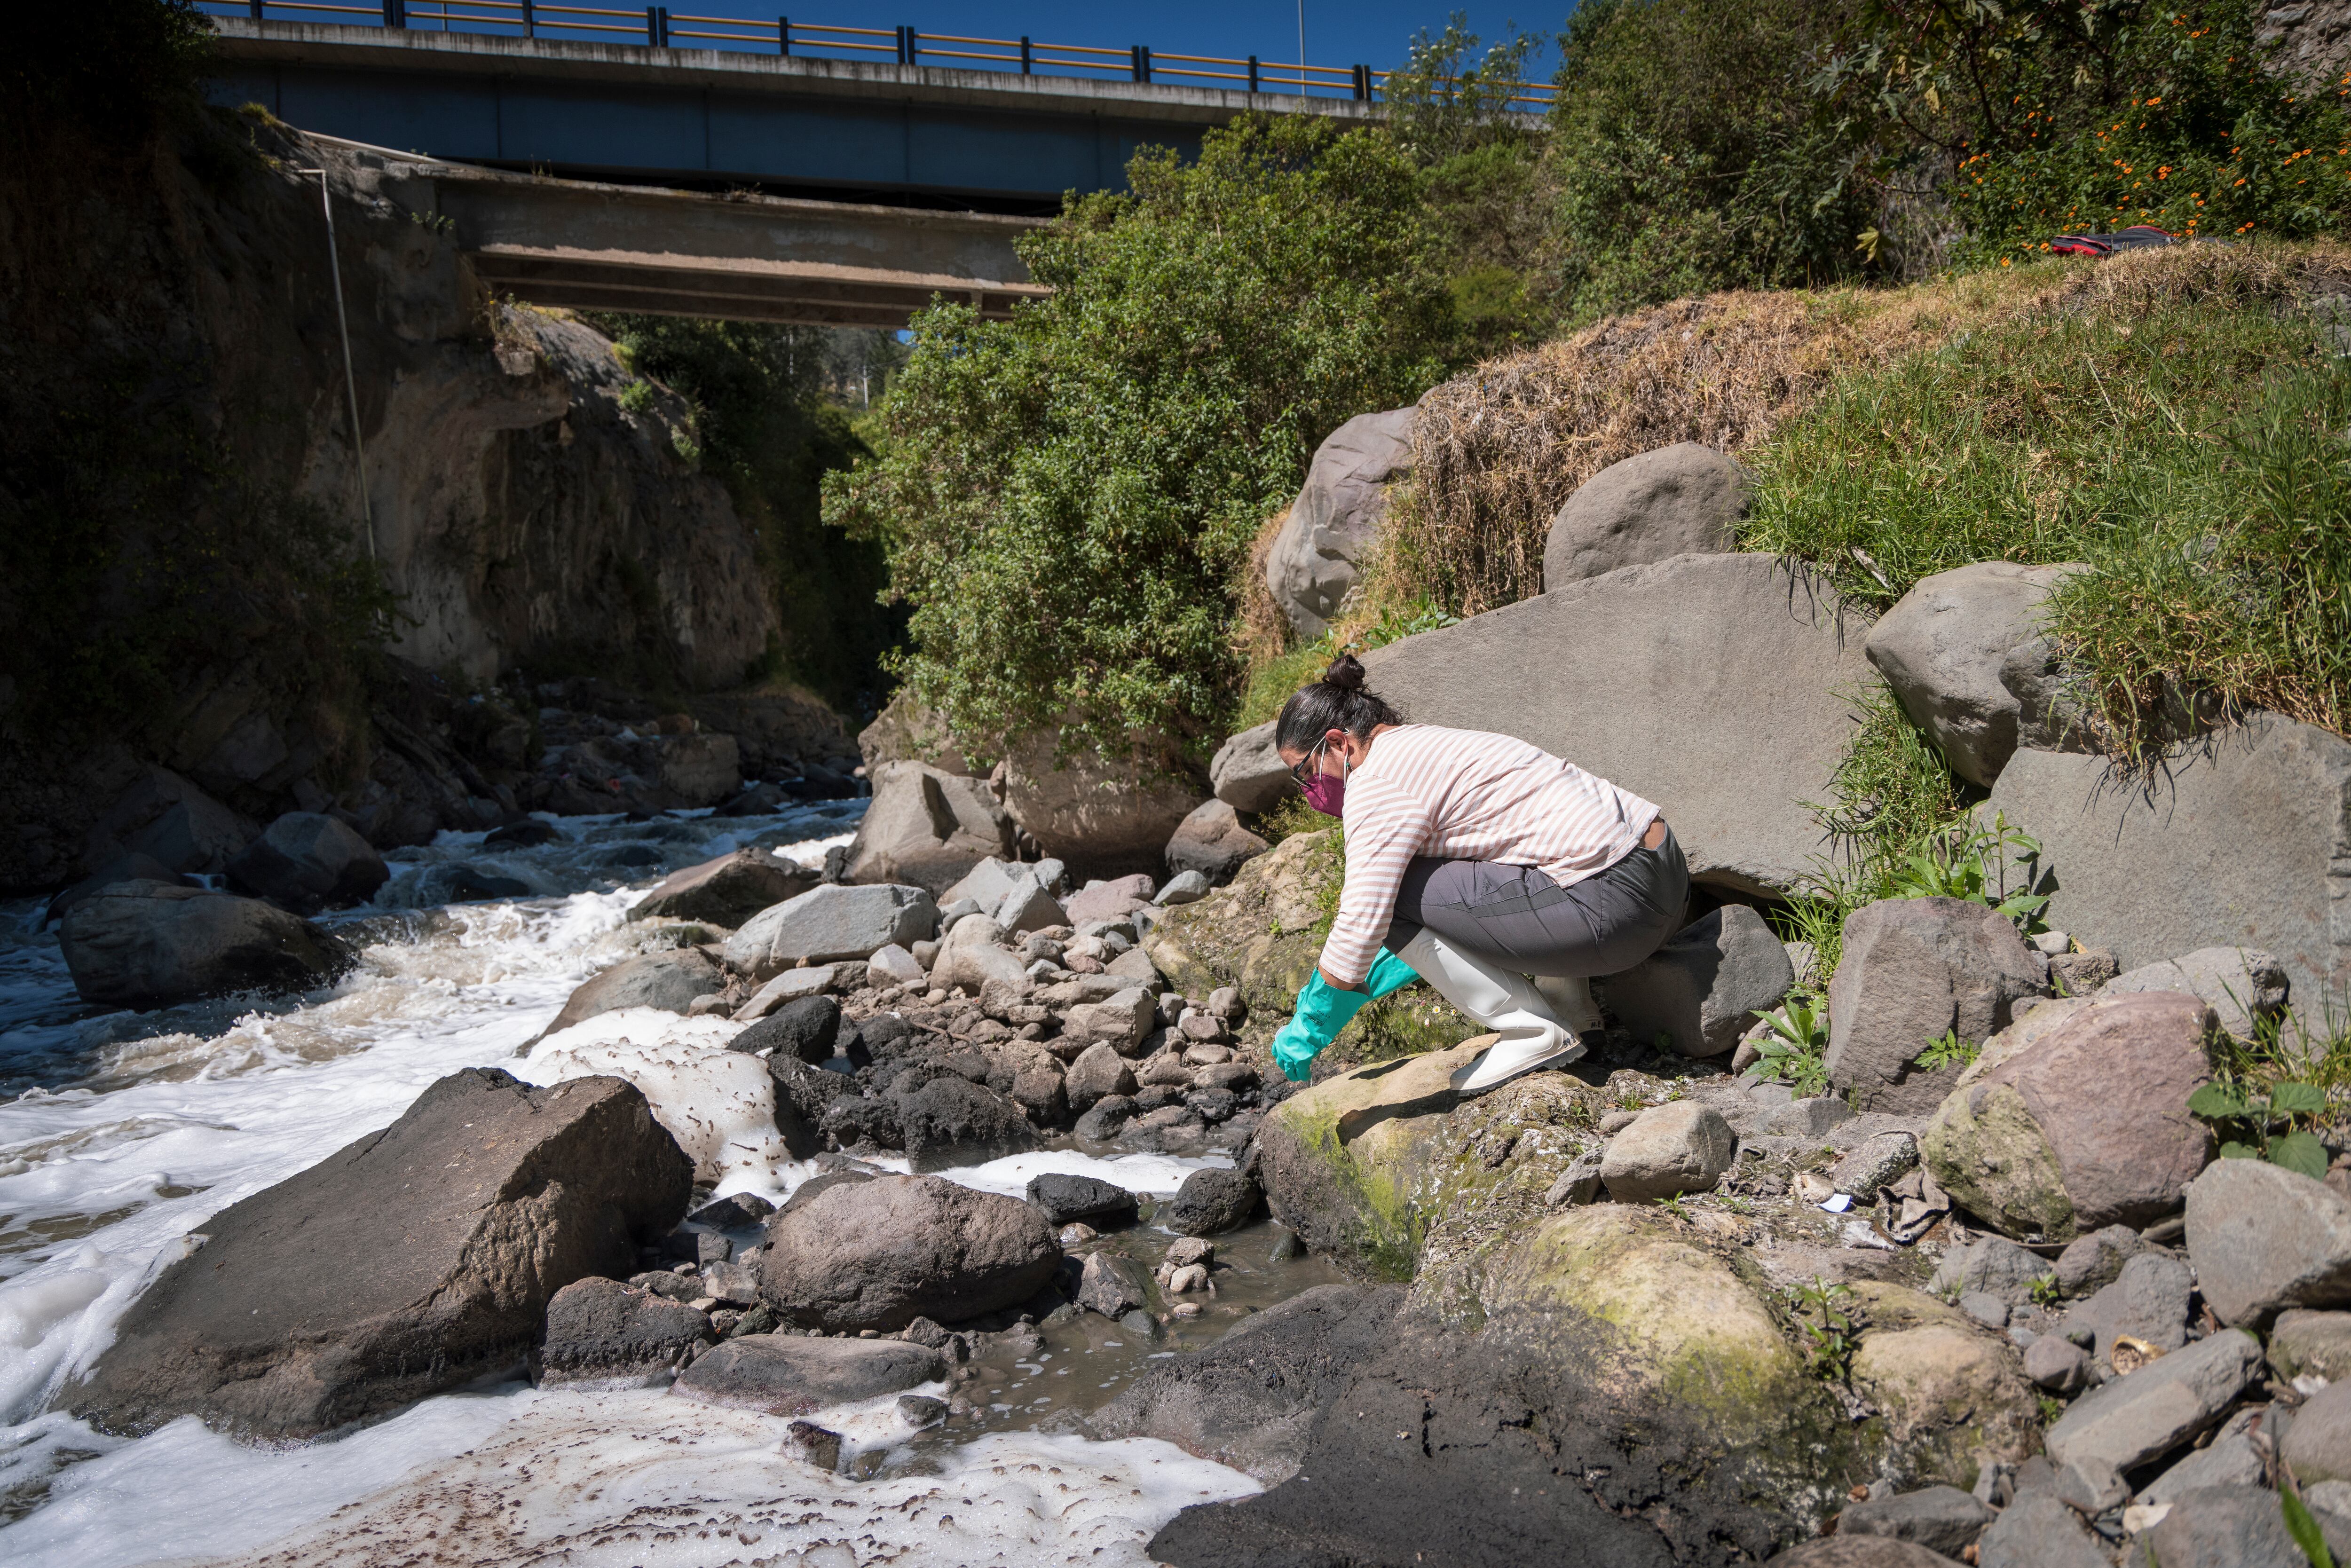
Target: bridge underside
(657,286)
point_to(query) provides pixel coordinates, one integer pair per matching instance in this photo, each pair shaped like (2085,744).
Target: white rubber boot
(1571,999)
(1507,1004)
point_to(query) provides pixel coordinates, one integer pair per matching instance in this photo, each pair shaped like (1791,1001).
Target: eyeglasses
(1304,768)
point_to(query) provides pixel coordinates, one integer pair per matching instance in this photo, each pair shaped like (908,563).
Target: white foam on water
(163,1119)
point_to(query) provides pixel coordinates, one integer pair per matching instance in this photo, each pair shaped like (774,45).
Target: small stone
(1185,1250)
(1286,1247)
(1941,1519)
(1210,1202)
(1879,1162)
(2091,1487)
(1141,1323)
(1184,887)
(1615,1122)
(1074,1236)
(2229,1460)
(1191,1277)
(2265,1238)
(894,965)
(2130,1420)
(2308,1344)
(1066,1197)
(2038,1531)
(2049,944)
(1204,1054)
(920,1410)
(1993,1264)
(1110,1114)
(811,1444)
(1578,1184)
(734,1212)
(2149,1302)
(1811,1118)
(1225,1002)
(2092,1260)
(1112,1285)
(1985,1308)
(2318,1445)
(1678,1147)
(2056,1365)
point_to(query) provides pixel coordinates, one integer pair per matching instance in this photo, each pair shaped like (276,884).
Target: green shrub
(1067,497)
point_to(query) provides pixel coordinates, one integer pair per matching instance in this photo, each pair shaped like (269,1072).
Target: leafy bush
(1066,496)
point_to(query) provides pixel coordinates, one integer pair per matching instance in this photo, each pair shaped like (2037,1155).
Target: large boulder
(833,921)
(2264,1237)
(605,1335)
(1704,987)
(1947,1394)
(2129,1420)
(973,954)
(1212,842)
(1335,520)
(154,944)
(788,1374)
(670,981)
(307,861)
(166,816)
(719,1104)
(1683,499)
(414,1260)
(907,729)
(1717,685)
(927,828)
(1248,774)
(2063,1129)
(1942,647)
(727,891)
(950,1122)
(1098,812)
(1363,1164)
(1914,970)
(2242,987)
(2238,841)
(879,1254)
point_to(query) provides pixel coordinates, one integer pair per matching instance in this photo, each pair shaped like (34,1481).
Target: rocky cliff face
(185,552)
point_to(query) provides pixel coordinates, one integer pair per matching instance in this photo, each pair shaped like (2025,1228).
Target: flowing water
(127,1131)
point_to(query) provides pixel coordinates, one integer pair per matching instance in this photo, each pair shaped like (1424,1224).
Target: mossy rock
(1988,1152)
(1262,934)
(1947,1394)
(1363,1164)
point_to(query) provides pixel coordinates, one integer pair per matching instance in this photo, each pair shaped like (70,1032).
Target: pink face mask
(1326,793)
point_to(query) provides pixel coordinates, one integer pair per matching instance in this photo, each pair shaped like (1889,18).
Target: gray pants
(1516,918)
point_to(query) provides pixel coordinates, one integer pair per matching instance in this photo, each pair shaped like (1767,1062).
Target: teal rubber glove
(1324,1009)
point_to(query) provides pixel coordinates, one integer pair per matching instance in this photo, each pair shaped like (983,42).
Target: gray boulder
(1212,843)
(1941,1519)
(2238,843)
(1914,969)
(170,820)
(2038,1531)
(413,1260)
(879,1254)
(2318,1445)
(1112,1286)
(987,883)
(1709,683)
(828,923)
(1684,499)
(1679,1147)
(1098,812)
(2264,1237)
(670,981)
(2229,1460)
(2092,1260)
(1335,520)
(607,1334)
(1942,648)
(1210,1203)
(153,943)
(950,1122)
(2057,1365)
(2241,987)
(727,891)
(2239,1526)
(307,861)
(2303,1343)
(788,1375)
(1702,989)
(1993,1264)
(1248,773)
(1120,1021)
(1099,1072)
(2130,1420)
(926,828)
(2147,1300)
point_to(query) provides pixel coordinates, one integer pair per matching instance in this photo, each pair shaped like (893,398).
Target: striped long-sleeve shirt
(1463,794)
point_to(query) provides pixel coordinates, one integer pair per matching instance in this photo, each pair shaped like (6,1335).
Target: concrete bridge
(721,182)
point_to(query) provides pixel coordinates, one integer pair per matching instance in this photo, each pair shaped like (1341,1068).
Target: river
(125,1131)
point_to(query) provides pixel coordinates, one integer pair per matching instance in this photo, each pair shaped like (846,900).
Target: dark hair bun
(1347,672)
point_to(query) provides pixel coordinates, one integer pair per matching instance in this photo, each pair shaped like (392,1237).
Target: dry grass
(1260,630)
(1498,451)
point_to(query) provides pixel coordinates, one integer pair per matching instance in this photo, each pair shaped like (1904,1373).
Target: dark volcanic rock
(307,861)
(669,981)
(605,1332)
(152,944)
(879,1254)
(785,1375)
(727,891)
(1098,1203)
(948,1122)
(1210,1202)
(806,1027)
(409,1261)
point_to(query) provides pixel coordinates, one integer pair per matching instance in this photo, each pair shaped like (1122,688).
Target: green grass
(2190,453)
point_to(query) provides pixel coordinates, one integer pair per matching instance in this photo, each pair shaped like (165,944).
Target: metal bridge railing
(656,27)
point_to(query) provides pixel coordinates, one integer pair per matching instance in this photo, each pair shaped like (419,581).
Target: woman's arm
(1384,830)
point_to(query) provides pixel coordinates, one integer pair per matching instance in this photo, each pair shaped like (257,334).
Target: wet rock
(413,1260)
(2084,1126)
(132,867)
(811,1444)
(2318,1445)
(1210,844)
(2038,1531)
(1113,1286)
(669,981)
(1914,969)
(733,1212)
(1066,1198)
(1098,1073)
(879,1253)
(527,833)
(918,1411)
(307,861)
(1702,989)
(1210,1203)
(806,1028)
(2057,1365)
(927,828)
(1249,774)
(1942,648)
(948,1122)
(2196,863)
(2241,987)
(2223,1527)
(1941,1519)
(727,891)
(2091,1261)
(2130,1420)
(830,922)
(1677,501)
(804,1096)
(2308,1344)
(2264,1237)
(153,944)
(1247,1400)
(788,1375)
(1110,1114)
(1680,1146)
(603,1332)
(2147,1300)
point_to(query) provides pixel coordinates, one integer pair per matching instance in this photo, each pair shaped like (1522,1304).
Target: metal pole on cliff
(351,381)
